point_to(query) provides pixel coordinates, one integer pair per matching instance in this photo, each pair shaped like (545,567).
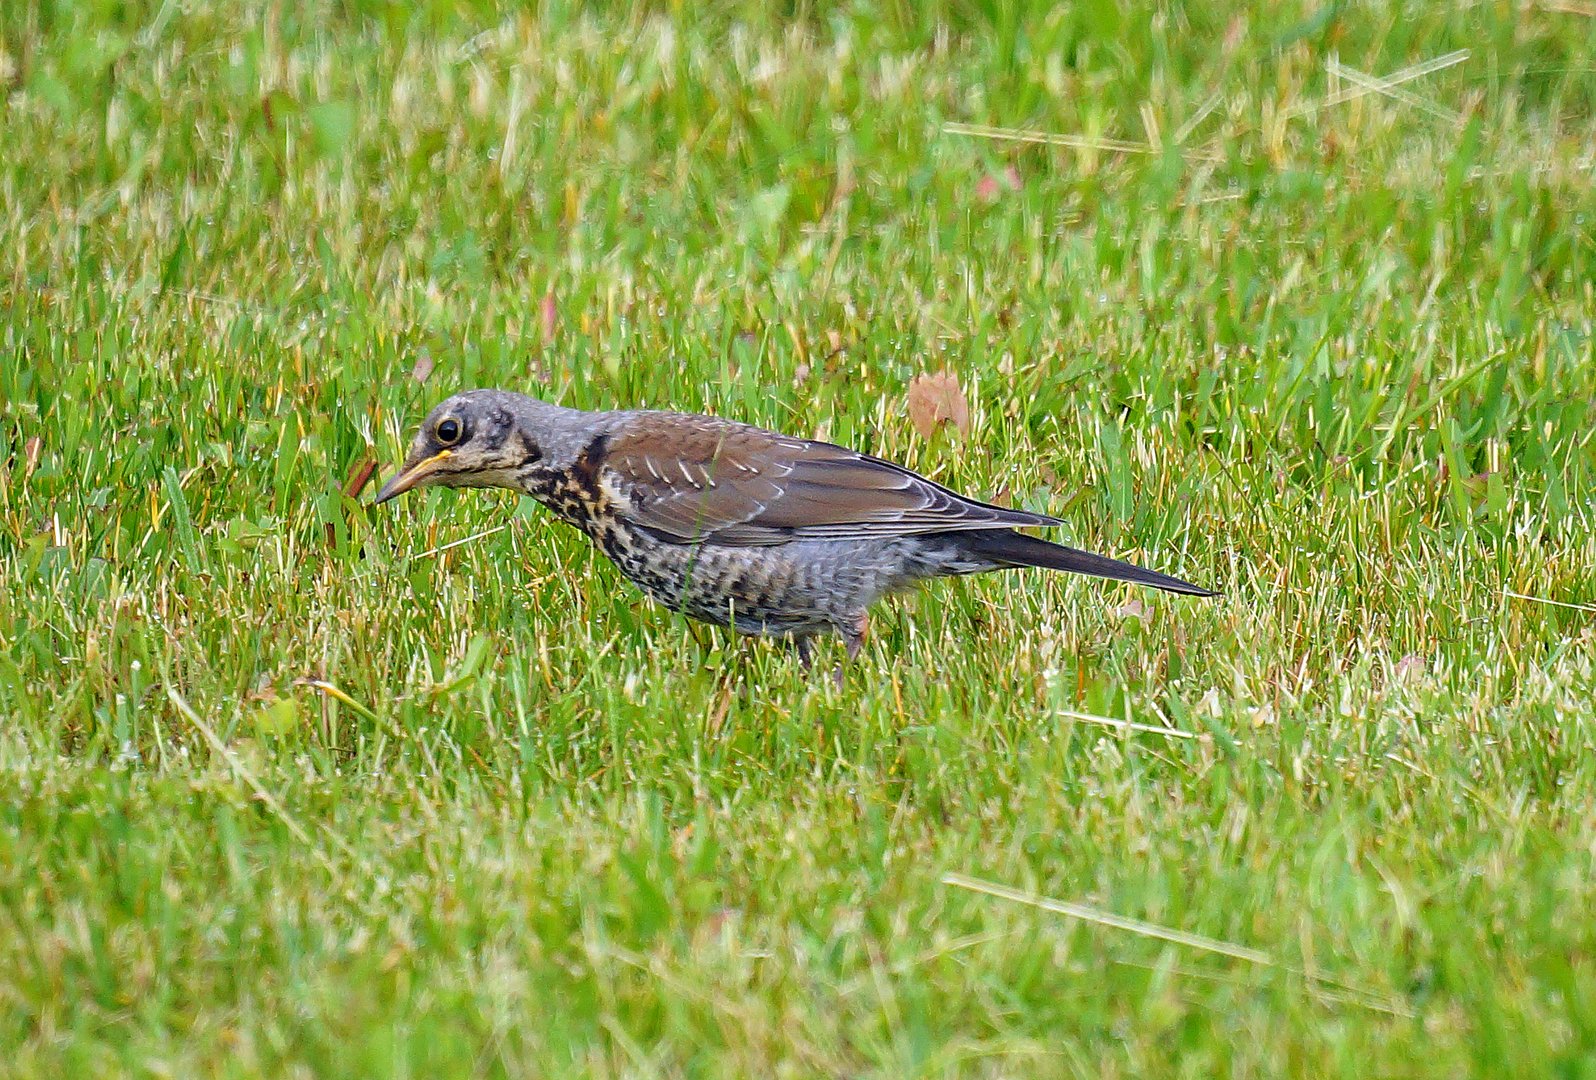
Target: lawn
(1292,300)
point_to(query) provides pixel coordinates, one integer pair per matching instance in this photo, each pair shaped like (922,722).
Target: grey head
(484,438)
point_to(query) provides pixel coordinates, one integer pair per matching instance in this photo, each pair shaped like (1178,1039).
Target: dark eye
(448,431)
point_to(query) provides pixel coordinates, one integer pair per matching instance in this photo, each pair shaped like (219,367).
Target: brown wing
(690,478)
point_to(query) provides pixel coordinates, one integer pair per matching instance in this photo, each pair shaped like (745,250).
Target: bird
(732,524)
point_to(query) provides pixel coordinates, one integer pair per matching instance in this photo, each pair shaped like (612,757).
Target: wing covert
(689,478)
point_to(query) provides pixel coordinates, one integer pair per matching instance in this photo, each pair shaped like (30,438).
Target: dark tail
(1008,548)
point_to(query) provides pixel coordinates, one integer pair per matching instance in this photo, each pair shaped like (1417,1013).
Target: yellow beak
(410,477)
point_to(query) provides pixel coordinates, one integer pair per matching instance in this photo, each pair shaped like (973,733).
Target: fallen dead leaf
(422,367)
(937,400)
(1133,609)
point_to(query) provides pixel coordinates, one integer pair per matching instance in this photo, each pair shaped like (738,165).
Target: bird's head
(481,438)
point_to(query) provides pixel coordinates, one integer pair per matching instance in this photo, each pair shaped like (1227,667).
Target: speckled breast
(753,590)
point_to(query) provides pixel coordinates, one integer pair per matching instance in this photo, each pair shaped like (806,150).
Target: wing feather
(689,478)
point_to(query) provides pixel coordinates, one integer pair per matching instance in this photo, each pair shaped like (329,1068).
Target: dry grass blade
(1184,131)
(1373,84)
(1107,918)
(1228,195)
(1325,989)
(1048,138)
(1386,88)
(1544,600)
(441,548)
(1127,725)
(263,793)
(1333,989)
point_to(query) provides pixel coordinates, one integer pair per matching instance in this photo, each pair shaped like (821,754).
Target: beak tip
(409,476)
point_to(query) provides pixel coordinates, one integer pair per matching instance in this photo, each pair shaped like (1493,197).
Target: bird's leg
(855,636)
(805,647)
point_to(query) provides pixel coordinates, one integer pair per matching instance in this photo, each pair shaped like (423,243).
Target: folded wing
(697,478)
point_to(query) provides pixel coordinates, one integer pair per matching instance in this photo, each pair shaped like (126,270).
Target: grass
(300,787)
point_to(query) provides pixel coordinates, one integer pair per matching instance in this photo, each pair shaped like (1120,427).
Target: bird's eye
(448,431)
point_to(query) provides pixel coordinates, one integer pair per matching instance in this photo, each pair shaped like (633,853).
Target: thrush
(732,524)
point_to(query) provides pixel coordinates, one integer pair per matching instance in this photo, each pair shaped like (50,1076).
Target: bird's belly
(796,588)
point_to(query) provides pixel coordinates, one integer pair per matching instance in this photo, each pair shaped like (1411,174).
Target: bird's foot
(853,638)
(805,647)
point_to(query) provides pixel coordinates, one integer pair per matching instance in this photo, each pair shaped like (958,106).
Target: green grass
(291,790)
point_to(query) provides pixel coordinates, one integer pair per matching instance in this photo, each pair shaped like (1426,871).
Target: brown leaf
(423,366)
(935,400)
(31,451)
(1133,609)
